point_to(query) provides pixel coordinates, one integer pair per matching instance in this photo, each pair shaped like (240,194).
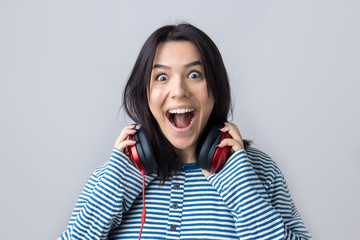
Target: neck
(186,155)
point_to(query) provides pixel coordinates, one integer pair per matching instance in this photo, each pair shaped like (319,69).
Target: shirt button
(175,205)
(173,227)
(176,186)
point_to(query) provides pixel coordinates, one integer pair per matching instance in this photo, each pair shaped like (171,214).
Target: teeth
(179,111)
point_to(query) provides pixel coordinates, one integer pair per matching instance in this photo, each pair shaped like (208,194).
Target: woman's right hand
(122,142)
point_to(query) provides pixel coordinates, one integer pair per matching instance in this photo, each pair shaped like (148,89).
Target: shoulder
(114,164)
(264,166)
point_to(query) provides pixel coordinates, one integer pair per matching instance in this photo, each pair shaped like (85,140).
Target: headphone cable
(143,214)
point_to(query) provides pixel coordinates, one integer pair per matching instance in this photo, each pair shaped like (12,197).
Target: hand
(206,173)
(236,143)
(122,142)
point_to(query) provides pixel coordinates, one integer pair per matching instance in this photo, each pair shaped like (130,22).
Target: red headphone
(210,157)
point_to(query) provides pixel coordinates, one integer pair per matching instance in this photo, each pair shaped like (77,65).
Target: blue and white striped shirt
(247,199)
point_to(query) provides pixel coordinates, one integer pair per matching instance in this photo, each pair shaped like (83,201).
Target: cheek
(204,97)
(155,100)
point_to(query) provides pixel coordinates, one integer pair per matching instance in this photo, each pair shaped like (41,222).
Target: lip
(186,129)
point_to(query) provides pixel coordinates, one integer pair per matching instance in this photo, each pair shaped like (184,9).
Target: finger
(128,130)
(124,135)
(233,130)
(206,173)
(229,127)
(234,144)
(124,144)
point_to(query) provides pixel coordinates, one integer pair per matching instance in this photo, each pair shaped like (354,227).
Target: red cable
(143,214)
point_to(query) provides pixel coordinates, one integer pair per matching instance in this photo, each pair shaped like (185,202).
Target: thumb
(206,173)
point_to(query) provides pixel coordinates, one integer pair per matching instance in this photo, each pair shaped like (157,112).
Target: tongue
(182,120)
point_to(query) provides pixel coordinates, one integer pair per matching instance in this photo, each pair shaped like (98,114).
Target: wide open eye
(194,75)
(161,77)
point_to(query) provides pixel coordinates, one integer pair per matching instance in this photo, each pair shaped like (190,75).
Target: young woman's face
(178,95)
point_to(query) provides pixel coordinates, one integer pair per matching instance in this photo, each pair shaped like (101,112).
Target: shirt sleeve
(256,208)
(110,191)
(282,202)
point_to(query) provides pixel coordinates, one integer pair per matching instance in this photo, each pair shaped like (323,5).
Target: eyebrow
(186,65)
(193,64)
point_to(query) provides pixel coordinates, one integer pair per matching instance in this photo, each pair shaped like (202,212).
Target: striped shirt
(247,199)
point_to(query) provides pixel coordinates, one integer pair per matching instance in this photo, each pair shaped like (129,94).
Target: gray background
(294,69)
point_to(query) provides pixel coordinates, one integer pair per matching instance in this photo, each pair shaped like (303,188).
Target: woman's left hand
(236,143)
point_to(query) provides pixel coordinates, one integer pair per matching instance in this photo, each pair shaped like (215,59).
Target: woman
(178,91)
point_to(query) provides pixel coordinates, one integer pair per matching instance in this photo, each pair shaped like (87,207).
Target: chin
(182,143)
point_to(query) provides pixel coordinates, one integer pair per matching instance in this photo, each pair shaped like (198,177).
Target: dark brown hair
(135,97)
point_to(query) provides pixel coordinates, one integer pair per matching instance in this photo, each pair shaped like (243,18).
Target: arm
(255,191)
(242,192)
(282,202)
(109,192)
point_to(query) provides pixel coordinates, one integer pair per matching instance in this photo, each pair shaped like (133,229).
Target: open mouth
(181,118)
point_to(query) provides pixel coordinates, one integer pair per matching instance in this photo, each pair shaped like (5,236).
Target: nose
(179,88)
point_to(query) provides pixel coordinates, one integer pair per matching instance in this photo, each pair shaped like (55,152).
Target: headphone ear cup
(220,155)
(212,158)
(141,153)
